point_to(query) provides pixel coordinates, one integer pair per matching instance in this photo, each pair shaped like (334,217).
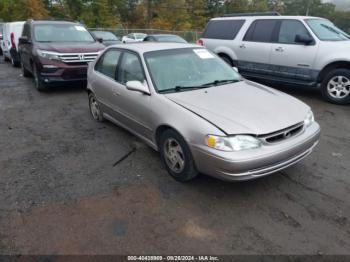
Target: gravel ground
(63,193)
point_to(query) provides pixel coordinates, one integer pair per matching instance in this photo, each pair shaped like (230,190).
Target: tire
(6,59)
(14,63)
(25,72)
(39,84)
(227,60)
(335,87)
(178,161)
(95,108)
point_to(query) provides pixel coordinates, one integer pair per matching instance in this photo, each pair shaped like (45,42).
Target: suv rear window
(223,29)
(261,31)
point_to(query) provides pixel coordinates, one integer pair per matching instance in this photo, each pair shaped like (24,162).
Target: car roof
(145,47)
(53,22)
(265,17)
(163,35)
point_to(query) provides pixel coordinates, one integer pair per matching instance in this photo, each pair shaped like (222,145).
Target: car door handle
(242,46)
(279,49)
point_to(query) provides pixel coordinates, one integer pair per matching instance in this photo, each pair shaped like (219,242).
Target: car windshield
(140,36)
(170,38)
(187,68)
(106,36)
(327,31)
(62,33)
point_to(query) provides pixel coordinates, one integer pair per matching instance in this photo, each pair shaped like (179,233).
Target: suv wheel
(95,108)
(25,72)
(39,84)
(336,87)
(176,156)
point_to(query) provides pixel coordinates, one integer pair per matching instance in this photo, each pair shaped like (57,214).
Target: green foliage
(161,14)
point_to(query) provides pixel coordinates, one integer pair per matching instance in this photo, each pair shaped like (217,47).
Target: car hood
(68,47)
(243,108)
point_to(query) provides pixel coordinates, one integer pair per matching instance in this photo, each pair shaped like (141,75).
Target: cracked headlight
(233,143)
(309,119)
(48,54)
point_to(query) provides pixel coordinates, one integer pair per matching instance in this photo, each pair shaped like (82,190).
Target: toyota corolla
(198,112)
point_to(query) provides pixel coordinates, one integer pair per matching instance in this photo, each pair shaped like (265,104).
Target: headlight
(233,143)
(48,55)
(309,119)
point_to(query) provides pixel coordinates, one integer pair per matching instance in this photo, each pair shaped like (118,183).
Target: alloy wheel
(339,87)
(174,156)
(95,111)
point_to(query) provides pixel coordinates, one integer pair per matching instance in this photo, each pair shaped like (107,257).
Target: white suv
(298,50)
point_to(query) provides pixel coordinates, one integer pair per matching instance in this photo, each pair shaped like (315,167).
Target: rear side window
(108,63)
(223,29)
(261,31)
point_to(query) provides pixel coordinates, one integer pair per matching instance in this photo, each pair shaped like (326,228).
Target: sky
(341,4)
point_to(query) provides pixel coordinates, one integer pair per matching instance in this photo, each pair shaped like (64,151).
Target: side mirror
(23,40)
(303,39)
(100,40)
(235,68)
(138,87)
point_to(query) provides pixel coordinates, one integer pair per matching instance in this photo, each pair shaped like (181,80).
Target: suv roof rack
(53,19)
(252,14)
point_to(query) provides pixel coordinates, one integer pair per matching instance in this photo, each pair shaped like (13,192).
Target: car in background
(9,45)
(198,112)
(1,37)
(296,50)
(106,37)
(164,38)
(133,38)
(56,52)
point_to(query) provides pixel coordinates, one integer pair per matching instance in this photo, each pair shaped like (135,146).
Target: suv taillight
(13,43)
(200,42)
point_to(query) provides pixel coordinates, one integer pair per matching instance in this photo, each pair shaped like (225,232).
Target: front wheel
(176,156)
(336,87)
(95,108)
(25,72)
(39,84)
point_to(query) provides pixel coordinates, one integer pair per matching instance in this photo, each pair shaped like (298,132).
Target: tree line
(161,14)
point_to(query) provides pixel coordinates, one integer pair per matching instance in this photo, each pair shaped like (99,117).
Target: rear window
(261,31)
(223,29)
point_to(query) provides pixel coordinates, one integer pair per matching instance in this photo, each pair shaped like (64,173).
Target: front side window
(131,69)
(261,31)
(62,33)
(187,68)
(108,63)
(326,30)
(290,29)
(223,29)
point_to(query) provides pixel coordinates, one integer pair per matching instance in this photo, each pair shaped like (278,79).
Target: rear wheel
(14,63)
(39,84)
(336,86)
(176,156)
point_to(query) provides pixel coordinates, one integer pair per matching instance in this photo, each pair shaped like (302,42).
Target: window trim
(233,36)
(274,34)
(279,30)
(119,67)
(102,57)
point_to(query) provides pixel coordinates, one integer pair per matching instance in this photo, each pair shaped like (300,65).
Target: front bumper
(255,163)
(55,72)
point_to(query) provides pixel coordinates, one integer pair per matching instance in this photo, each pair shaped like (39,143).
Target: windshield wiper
(210,84)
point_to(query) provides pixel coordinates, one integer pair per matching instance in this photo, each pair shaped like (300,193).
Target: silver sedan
(198,112)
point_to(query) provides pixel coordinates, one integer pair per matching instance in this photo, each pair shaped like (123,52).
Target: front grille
(283,134)
(78,57)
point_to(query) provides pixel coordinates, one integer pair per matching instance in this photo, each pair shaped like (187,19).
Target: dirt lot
(63,193)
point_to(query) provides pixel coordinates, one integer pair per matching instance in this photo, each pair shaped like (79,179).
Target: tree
(35,9)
